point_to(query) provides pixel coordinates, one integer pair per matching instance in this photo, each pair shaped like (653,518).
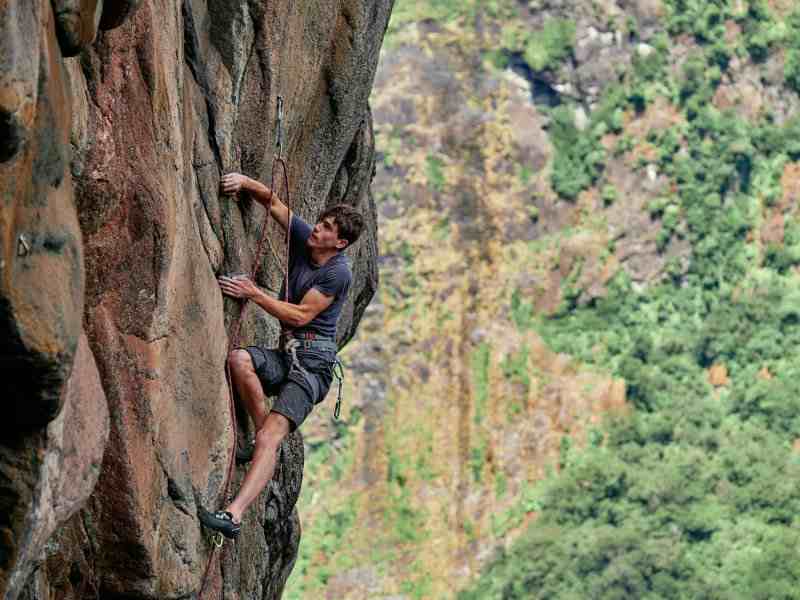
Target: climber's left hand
(238,287)
(233,183)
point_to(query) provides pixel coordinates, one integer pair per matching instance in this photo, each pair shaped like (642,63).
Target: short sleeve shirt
(331,279)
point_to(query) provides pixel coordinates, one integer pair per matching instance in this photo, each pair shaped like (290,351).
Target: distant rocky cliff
(553,177)
(117,119)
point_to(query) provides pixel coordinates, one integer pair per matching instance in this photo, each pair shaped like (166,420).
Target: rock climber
(300,372)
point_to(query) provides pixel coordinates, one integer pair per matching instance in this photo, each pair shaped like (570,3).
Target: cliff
(117,119)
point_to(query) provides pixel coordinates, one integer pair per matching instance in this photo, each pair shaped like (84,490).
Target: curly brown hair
(347,219)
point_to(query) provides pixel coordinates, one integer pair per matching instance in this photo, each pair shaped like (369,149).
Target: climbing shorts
(296,388)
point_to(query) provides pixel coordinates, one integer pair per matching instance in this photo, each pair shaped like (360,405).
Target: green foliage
(330,531)
(579,157)
(609,194)
(544,49)
(792,69)
(624,144)
(702,18)
(761,31)
(480,362)
(639,518)
(480,379)
(434,172)
(441,231)
(781,257)
(500,484)
(420,585)
(521,311)
(792,64)
(524,172)
(407,518)
(527,502)
(477,458)
(470,530)
(515,366)
(390,148)
(693,495)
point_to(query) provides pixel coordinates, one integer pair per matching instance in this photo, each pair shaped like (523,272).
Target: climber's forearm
(268,199)
(294,315)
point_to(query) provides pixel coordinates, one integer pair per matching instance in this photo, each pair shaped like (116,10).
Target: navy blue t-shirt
(331,279)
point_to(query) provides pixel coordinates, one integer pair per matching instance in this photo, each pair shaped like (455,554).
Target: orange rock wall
(112,233)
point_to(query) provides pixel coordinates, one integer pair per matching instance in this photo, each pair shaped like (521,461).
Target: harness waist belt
(308,342)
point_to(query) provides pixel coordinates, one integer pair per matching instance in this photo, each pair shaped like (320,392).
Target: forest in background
(692,492)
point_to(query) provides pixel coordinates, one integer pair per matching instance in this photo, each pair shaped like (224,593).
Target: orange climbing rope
(233,337)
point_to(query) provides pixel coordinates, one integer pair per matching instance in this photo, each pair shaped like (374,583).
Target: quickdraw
(339,375)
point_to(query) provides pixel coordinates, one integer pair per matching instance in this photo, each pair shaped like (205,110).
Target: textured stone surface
(76,23)
(111,223)
(70,462)
(41,276)
(41,287)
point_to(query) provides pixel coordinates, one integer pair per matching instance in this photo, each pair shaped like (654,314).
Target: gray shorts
(296,391)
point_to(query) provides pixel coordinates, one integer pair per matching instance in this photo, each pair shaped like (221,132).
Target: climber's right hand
(233,183)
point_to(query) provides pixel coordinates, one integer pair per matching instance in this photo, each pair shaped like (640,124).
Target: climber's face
(325,236)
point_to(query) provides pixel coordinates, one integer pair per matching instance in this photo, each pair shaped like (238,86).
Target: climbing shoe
(245,455)
(220,521)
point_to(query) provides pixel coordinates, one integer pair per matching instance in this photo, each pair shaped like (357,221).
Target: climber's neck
(319,256)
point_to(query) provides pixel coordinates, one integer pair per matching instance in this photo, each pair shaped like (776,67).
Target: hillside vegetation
(574,195)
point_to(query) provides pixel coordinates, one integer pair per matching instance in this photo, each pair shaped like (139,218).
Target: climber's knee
(272,432)
(240,362)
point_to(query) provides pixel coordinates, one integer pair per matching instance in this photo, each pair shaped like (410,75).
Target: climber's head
(337,228)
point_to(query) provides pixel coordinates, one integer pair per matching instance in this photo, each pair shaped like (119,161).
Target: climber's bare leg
(268,438)
(251,394)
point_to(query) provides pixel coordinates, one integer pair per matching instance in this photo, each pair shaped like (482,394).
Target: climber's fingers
(232,182)
(240,287)
(231,287)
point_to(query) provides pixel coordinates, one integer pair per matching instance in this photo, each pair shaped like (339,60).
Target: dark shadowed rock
(76,23)
(70,463)
(116,11)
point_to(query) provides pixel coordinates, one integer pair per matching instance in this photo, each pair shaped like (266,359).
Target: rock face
(112,232)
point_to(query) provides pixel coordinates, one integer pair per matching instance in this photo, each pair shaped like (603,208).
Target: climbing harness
(310,341)
(292,342)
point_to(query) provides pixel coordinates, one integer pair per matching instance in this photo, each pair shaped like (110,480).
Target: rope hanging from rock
(235,330)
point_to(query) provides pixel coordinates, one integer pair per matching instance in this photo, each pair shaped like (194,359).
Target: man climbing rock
(299,373)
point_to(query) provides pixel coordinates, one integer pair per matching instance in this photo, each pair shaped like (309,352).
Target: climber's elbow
(299,318)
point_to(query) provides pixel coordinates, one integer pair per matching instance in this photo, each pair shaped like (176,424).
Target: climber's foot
(220,521)
(245,455)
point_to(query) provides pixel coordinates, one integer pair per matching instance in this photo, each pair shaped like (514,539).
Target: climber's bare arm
(294,315)
(232,183)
